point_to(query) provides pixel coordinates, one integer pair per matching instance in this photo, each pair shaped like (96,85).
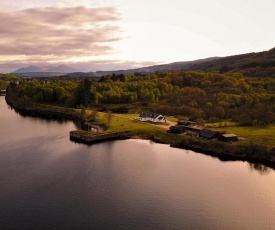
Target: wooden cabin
(209,134)
(228,137)
(176,129)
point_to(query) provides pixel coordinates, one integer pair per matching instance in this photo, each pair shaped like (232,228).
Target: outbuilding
(208,134)
(186,123)
(176,129)
(228,137)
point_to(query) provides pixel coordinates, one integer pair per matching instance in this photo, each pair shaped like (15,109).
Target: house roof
(187,123)
(208,133)
(149,114)
(176,127)
(192,133)
(229,135)
(194,128)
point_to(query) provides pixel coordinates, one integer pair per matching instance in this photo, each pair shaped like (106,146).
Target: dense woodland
(5,79)
(208,96)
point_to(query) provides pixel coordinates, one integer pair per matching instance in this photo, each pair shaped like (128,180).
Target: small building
(228,137)
(192,133)
(153,117)
(176,129)
(186,123)
(208,134)
(196,129)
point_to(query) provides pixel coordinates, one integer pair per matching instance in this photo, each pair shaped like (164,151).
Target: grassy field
(264,135)
(128,122)
(228,126)
(267,131)
(258,134)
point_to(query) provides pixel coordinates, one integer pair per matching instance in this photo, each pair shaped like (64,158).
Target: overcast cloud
(121,31)
(54,33)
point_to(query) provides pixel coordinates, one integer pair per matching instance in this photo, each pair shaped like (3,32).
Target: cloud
(59,33)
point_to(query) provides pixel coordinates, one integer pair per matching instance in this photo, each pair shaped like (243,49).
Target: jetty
(87,138)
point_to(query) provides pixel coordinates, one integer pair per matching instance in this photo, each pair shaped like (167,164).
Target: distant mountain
(49,70)
(28,69)
(62,69)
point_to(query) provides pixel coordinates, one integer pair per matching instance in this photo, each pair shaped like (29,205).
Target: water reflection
(260,168)
(49,182)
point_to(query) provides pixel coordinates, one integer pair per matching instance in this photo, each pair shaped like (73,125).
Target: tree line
(209,96)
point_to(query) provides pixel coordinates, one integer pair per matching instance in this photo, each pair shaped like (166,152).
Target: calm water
(49,182)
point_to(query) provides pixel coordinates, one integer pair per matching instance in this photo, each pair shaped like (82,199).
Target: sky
(93,35)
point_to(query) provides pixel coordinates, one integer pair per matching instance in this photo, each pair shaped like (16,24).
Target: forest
(205,96)
(5,79)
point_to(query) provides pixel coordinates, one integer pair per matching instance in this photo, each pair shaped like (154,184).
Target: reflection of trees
(262,169)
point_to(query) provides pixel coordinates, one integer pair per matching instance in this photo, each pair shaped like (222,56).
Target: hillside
(260,64)
(40,74)
(175,66)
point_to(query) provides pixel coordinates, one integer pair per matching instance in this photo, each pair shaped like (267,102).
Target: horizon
(77,70)
(116,34)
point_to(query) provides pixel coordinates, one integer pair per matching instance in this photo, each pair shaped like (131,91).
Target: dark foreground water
(49,182)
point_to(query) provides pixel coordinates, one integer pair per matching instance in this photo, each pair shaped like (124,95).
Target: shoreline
(211,148)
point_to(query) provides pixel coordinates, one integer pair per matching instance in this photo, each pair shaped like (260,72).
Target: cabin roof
(229,135)
(184,122)
(191,133)
(176,127)
(208,133)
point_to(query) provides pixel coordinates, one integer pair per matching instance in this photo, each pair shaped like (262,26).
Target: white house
(153,117)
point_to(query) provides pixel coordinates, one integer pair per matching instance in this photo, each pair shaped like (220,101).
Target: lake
(50,182)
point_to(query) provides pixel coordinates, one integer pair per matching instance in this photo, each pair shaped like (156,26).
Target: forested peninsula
(229,102)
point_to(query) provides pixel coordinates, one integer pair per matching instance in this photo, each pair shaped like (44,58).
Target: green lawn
(125,122)
(258,134)
(251,131)
(119,123)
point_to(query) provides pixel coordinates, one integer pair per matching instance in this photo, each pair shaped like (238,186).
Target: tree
(48,94)
(83,112)
(59,93)
(245,120)
(83,93)
(264,114)
(94,115)
(109,116)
